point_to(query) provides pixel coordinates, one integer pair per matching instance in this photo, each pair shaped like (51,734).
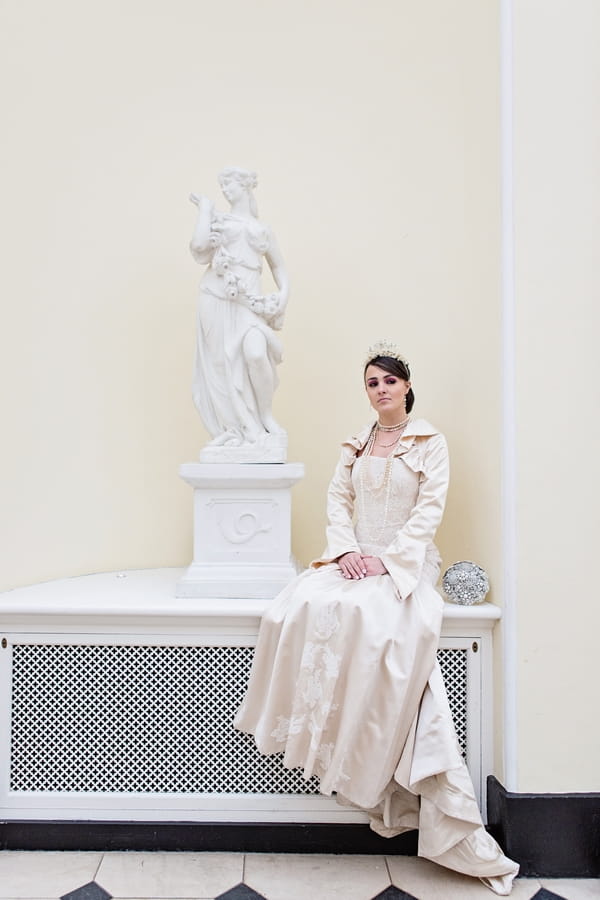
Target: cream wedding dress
(345,680)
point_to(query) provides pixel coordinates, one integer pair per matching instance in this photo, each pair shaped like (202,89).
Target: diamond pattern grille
(453,663)
(124,718)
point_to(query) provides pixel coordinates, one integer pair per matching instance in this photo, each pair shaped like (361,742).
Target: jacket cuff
(404,561)
(331,554)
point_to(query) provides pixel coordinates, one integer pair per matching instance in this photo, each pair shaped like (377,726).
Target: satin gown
(345,681)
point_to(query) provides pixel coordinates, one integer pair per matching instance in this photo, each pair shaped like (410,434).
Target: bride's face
(387,394)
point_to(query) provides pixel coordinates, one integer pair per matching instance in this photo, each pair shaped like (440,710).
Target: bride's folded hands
(354,565)
(374,565)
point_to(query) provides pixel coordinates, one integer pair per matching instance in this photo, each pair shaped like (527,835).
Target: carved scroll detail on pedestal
(240,521)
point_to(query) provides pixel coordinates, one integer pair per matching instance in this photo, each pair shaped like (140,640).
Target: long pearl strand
(367,485)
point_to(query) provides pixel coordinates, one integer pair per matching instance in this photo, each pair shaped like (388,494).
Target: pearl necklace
(368,485)
(372,440)
(381,427)
(388,428)
(393,444)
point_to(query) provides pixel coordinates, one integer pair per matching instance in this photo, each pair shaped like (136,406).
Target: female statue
(237,350)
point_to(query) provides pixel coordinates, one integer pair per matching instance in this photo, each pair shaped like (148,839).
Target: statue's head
(233,179)
(244,177)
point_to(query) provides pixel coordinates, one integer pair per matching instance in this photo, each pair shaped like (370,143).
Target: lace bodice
(381,509)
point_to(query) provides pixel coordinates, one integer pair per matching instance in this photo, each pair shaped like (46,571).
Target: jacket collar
(415,428)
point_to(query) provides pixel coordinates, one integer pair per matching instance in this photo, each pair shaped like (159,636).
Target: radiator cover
(142,718)
(118,701)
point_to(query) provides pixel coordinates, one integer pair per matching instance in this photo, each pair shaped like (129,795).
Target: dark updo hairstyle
(394,367)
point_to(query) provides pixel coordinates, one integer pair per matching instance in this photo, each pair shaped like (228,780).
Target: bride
(345,680)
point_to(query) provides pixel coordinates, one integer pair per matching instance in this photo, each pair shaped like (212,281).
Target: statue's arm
(279,271)
(200,245)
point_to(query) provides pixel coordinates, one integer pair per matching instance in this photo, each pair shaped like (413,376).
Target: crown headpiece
(385,348)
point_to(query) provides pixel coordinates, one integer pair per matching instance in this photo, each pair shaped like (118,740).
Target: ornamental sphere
(465,583)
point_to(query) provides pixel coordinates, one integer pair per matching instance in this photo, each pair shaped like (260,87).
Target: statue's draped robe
(222,389)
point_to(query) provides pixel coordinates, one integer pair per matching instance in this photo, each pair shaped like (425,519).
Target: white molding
(241,475)
(509,428)
(149,594)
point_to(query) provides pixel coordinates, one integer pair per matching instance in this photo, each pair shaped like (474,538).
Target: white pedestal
(242,529)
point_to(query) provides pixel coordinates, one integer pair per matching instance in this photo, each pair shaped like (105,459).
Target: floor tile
(91,891)
(573,888)
(44,875)
(394,893)
(427,881)
(316,877)
(169,875)
(240,892)
(545,894)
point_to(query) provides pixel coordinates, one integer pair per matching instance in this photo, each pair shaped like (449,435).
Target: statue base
(270,448)
(242,529)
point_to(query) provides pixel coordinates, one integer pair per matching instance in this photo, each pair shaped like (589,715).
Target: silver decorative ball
(466,583)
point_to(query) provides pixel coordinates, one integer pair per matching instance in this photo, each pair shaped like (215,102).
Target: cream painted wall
(374,131)
(557,244)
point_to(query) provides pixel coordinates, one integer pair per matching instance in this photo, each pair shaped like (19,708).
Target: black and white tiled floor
(44,875)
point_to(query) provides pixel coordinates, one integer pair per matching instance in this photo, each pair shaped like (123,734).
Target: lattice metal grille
(453,664)
(150,719)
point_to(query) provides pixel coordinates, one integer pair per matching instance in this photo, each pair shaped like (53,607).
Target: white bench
(118,698)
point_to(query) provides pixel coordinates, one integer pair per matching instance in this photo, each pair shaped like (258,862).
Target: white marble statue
(237,350)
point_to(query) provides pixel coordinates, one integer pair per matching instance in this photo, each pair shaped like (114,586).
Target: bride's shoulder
(355,443)
(358,438)
(422,428)
(427,437)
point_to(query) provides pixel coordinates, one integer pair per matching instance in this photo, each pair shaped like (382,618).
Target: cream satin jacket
(424,451)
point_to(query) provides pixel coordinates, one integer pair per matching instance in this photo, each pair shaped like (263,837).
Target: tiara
(385,348)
